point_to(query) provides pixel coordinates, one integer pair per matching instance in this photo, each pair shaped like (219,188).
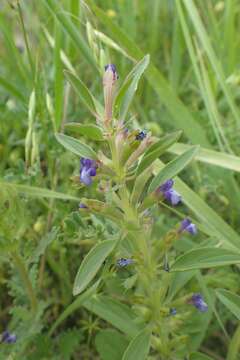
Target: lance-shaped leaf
(83,92)
(138,347)
(234,346)
(119,315)
(129,87)
(102,208)
(91,264)
(139,185)
(90,131)
(110,344)
(76,146)
(230,300)
(199,356)
(157,150)
(205,257)
(173,168)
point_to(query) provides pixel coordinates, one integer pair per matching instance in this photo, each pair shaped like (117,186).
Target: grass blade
(70,28)
(212,157)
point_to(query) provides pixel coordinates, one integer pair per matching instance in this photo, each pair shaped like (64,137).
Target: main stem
(139,236)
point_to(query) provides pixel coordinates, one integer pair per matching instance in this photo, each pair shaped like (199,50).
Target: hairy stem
(26,281)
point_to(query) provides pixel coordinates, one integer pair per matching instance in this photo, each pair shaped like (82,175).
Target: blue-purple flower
(123,262)
(112,68)
(199,303)
(169,193)
(187,225)
(173,311)
(8,338)
(87,170)
(141,135)
(82,206)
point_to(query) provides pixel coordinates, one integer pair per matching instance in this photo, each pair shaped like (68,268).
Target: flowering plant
(131,187)
(145,246)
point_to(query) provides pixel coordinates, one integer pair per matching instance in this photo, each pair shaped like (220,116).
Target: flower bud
(109,79)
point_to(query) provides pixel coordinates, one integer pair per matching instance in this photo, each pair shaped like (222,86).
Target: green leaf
(234,346)
(76,146)
(173,168)
(212,157)
(91,264)
(210,297)
(116,313)
(110,344)
(205,257)
(59,79)
(157,149)
(44,242)
(75,305)
(138,347)
(40,192)
(139,186)
(68,343)
(83,92)
(199,356)
(230,300)
(92,132)
(178,281)
(129,87)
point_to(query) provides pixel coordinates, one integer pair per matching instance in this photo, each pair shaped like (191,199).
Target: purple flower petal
(85,177)
(187,225)
(166,186)
(8,338)
(88,170)
(124,262)
(5,335)
(192,229)
(172,196)
(92,171)
(169,194)
(112,68)
(199,303)
(12,338)
(82,206)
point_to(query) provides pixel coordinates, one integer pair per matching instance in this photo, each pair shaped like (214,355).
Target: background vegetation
(192,84)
